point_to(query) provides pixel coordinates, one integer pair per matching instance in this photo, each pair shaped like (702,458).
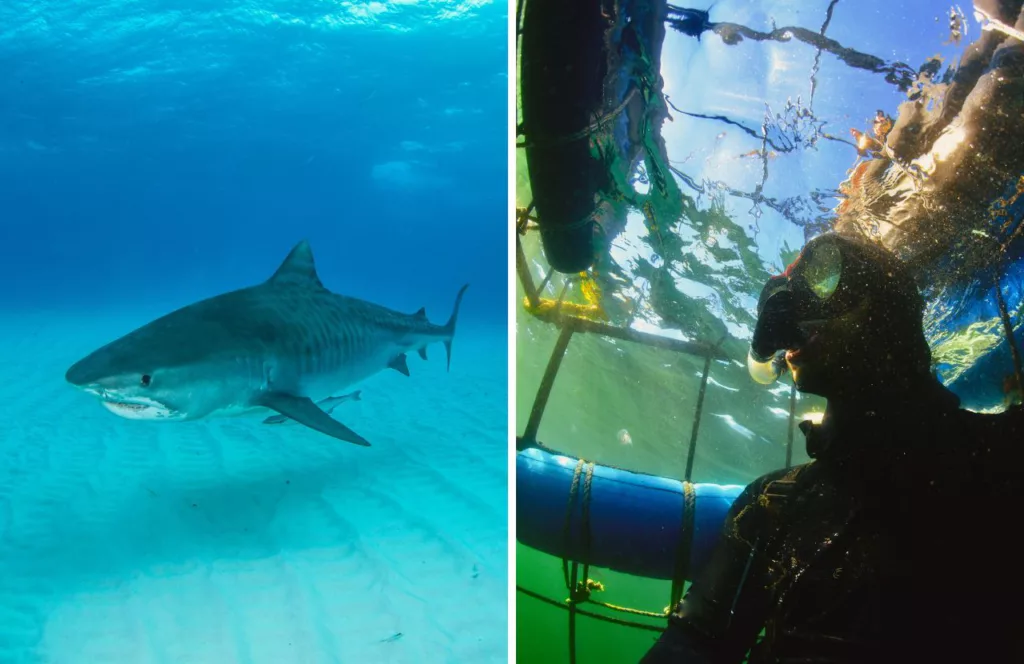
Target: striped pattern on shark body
(278,345)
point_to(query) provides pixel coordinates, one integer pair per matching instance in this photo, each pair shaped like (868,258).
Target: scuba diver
(897,541)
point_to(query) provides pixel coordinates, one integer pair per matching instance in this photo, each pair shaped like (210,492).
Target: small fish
(625,438)
(327,405)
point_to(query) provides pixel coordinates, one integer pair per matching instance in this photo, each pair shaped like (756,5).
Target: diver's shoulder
(780,475)
(771,485)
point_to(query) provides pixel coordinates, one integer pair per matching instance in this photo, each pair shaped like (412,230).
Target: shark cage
(633,265)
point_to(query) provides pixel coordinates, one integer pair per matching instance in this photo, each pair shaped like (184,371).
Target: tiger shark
(282,345)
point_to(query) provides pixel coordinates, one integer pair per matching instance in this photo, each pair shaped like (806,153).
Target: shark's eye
(146,380)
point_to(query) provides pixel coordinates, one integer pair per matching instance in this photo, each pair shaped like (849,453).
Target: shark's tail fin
(449,328)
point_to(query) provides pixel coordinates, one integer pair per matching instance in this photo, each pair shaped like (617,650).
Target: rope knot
(583,591)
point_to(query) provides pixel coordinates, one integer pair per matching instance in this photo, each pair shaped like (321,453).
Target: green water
(603,387)
(542,633)
(606,387)
(697,270)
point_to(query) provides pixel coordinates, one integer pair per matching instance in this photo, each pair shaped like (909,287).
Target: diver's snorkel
(832,276)
(776,332)
(788,303)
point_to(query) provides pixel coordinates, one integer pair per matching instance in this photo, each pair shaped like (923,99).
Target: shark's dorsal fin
(298,268)
(421,314)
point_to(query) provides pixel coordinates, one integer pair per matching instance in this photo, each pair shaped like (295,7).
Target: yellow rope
(585,588)
(636,612)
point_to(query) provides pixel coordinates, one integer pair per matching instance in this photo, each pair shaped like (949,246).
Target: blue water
(154,154)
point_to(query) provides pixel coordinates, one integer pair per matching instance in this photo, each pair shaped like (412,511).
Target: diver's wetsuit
(899,542)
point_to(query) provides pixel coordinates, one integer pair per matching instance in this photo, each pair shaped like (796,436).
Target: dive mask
(812,290)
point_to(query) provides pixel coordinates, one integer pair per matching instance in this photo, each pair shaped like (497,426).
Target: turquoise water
(229,541)
(153,156)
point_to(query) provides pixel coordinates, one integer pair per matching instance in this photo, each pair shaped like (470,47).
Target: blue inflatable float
(638,523)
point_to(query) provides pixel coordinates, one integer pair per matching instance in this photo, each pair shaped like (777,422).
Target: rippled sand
(232,541)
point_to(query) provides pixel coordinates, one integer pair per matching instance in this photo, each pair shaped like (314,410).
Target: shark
(283,345)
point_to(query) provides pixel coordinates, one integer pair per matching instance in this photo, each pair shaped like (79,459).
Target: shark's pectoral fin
(423,352)
(304,411)
(327,405)
(399,364)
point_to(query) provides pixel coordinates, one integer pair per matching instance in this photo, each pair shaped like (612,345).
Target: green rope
(683,553)
(579,591)
(571,578)
(566,527)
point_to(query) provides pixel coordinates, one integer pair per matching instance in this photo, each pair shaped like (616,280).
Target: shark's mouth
(138,408)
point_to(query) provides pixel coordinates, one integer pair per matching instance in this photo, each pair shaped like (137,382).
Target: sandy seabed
(227,540)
